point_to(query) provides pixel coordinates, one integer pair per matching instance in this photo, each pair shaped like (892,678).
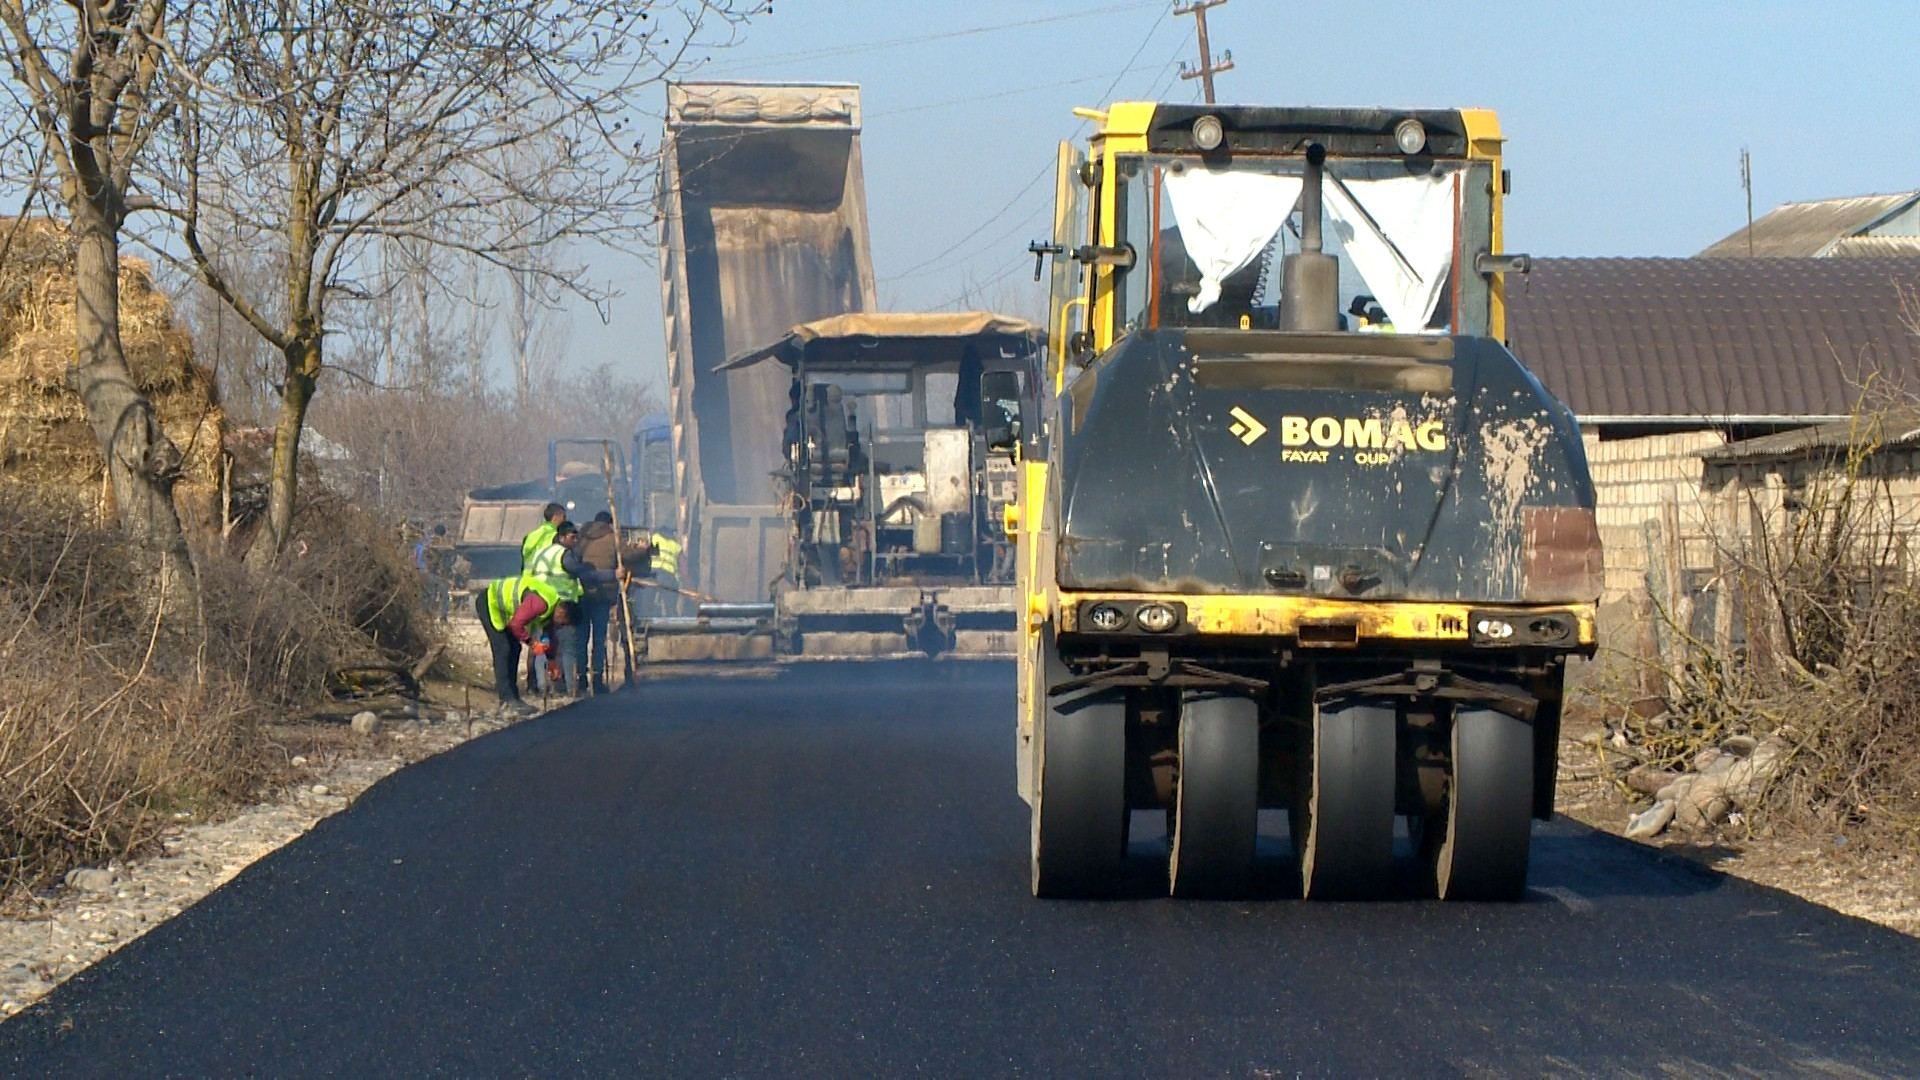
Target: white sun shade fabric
(1398,232)
(1226,219)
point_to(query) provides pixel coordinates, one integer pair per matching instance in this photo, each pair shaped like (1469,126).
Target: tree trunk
(141,462)
(302,373)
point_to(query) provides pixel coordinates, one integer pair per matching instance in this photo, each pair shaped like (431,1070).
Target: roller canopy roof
(907,338)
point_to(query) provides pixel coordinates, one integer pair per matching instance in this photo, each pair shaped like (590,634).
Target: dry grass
(345,594)
(107,723)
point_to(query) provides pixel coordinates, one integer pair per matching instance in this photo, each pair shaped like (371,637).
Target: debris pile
(1724,781)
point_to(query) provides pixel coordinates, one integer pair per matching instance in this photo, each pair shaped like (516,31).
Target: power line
(1008,269)
(1019,261)
(946,35)
(929,266)
(1134,59)
(1173,74)
(975,231)
(1044,168)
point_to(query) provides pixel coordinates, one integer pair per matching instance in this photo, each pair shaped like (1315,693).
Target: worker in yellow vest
(538,540)
(512,611)
(665,556)
(562,568)
(541,537)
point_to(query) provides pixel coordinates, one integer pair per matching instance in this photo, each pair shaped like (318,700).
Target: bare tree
(87,72)
(332,124)
(535,339)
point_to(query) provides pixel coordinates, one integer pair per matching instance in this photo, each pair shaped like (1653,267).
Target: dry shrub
(344,593)
(110,721)
(1825,585)
(355,570)
(107,725)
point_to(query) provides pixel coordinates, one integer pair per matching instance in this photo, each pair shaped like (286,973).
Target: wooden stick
(620,569)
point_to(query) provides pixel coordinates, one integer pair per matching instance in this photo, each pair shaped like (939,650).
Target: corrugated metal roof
(1714,339)
(1897,427)
(1806,229)
(1877,247)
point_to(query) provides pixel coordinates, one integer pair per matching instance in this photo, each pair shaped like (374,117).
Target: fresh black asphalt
(823,872)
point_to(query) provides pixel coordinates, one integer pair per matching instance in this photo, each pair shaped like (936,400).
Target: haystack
(45,441)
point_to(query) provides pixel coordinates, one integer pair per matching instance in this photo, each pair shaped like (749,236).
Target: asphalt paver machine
(893,502)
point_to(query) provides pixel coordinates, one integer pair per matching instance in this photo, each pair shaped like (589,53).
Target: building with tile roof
(1715,343)
(1671,363)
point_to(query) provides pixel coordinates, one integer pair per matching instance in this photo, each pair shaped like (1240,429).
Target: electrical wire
(1045,168)
(945,35)
(1014,264)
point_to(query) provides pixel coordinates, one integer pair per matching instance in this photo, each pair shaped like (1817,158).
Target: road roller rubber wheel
(1079,836)
(1217,802)
(1480,850)
(1343,813)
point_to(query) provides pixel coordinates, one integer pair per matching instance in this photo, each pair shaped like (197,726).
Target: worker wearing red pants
(512,610)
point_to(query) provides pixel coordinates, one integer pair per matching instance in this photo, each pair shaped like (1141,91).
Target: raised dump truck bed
(764,227)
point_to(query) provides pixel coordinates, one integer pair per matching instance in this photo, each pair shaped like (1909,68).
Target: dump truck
(1295,529)
(894,505)
(494,520)
(763,226)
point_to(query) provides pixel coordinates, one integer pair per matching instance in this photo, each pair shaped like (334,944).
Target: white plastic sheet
(1226,219)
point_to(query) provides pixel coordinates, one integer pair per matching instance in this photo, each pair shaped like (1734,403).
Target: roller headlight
(1208,134)
(1156,618)
(1410,135)
(1493,629)
(1107,617)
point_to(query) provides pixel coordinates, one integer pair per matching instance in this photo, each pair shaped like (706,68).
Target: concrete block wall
(1886,499)
(1634,480)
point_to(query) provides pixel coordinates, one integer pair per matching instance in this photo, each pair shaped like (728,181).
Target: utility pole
(1209,66)
(1746,181)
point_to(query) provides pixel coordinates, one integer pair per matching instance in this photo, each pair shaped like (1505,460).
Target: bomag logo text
(1310,439)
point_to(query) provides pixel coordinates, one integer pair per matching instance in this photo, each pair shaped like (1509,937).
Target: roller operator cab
(1295,530)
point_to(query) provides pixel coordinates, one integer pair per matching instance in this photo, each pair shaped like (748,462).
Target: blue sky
(1624,120)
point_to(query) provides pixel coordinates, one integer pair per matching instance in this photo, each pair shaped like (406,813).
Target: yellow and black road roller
(1295,530)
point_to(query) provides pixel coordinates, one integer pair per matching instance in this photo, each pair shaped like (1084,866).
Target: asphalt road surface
(824,873)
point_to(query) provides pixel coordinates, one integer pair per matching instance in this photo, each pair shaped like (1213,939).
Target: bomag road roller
(1295,530)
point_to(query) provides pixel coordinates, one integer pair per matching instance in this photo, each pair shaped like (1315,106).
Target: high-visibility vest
(549,567)
(666,554)
(505,594)
(534,543)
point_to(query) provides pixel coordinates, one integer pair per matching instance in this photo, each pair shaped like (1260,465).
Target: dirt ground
(1875,886)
